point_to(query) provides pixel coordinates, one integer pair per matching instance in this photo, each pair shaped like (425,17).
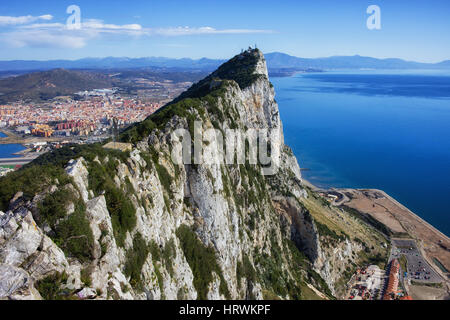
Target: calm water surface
(374,129)
(7,150)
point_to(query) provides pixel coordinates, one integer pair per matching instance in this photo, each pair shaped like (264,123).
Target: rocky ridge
(89,223)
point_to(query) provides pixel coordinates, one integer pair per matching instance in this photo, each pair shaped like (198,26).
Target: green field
(8,167)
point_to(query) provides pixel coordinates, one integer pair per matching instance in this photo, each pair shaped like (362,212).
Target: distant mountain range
(112,63)
(281,60)
(43,80)
(276,61)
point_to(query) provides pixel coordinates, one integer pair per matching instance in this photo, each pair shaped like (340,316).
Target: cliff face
(86,222)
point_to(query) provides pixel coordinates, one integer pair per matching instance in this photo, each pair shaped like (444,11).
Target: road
(341,197)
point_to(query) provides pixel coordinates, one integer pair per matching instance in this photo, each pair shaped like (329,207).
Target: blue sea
(8,150)
(374,129)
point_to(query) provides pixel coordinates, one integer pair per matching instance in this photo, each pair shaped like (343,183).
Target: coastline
(325,111)
(393,200)
(416,216)
(13,157)
(431,242)
(13,151)
(8,136)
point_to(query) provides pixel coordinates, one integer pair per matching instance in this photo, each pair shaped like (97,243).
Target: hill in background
(97,73)
(49,84)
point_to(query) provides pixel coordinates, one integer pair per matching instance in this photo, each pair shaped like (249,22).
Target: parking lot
(418,269)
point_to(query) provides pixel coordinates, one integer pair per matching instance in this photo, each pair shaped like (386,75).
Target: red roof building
(392,285)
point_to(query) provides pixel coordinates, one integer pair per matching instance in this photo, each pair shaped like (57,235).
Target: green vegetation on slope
(202,261)
(273,275)
(245,270)
(135,260)
(61,157)
(48,169)
(301,262)
(50,287)
(239,69)
(120,207)
(73,233)
(30,180)
(191,109)
(324,231)
(288,279)
(168,254)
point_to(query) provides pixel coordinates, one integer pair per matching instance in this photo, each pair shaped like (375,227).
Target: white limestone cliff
(243,216)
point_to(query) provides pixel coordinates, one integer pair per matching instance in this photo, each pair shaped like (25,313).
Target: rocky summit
(88,222)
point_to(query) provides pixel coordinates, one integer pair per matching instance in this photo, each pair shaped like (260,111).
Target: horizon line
(219,59)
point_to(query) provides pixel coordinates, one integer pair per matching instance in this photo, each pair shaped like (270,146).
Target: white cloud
(8,20)
(99,25)
(26,33)
(43,26)
(46,17)
(40,39)
(185,31)
(59,36)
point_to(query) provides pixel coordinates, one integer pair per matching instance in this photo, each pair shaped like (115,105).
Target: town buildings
(93,114)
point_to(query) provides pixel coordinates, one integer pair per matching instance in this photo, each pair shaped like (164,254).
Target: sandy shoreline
(414,215)
(417,217)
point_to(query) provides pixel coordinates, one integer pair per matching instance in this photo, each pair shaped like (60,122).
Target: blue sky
(412,30)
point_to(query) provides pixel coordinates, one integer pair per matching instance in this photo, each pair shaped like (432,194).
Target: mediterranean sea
(374,129)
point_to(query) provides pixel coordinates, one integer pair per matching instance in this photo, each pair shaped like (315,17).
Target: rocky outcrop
(143,227)
(16,284)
